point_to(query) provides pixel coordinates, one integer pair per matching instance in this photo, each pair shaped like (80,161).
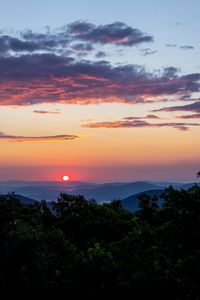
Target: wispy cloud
(18,138)
(140,124)
(148,51)
(186,47)
(171,45)
(195,106)
(139,118)
(52,112)
(194,116)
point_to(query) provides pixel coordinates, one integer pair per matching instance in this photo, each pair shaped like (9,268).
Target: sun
(65,178)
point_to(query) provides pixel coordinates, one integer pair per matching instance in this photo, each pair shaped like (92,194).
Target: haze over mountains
(101,192)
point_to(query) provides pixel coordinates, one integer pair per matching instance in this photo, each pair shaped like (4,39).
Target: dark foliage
(81,249)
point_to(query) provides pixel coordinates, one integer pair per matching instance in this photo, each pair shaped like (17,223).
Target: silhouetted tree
(81,249)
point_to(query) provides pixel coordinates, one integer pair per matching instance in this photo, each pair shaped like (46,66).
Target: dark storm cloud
(44,78)
(140,124)
(195,106)
(117,33)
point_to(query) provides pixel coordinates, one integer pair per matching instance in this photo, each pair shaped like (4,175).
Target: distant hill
(102,192)
(188,185)
(23,199)
(131,203)
(110,191)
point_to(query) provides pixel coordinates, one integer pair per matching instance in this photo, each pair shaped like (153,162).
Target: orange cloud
(49,78)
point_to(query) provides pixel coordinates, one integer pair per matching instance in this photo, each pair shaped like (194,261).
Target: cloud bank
(49,78)
(42,68)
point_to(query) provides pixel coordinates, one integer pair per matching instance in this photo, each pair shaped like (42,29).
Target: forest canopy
(84,249)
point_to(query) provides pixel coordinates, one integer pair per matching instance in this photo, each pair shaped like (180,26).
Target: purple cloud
(82,47)
(53,112)
(117,33)
(18,138)
(139,118)
(194,116)
(46,78)
(60,40)
(140,124)
(195,106)
(37,68)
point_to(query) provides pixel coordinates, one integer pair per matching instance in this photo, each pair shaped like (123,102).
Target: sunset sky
(102,90)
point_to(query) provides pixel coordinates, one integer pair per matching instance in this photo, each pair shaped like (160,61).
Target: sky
(100,90)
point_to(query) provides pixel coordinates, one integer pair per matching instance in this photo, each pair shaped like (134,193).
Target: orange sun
(65,178)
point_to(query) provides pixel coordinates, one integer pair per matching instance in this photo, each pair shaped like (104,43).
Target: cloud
(100,54)
(151,117)
(171,45)
(37,111)
(186,47)
(194,116)
(116,33)
(195,106)
(50,78)
(48,67)
(8,43)
(139,124)
(82,47)
(60,40)
(139,118)
(51,138)
(148,51)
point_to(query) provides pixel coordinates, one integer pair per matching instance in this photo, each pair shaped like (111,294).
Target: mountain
(109,191)
(188,185)
(23,199)
(102,192)
(131,203)
(51,190)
